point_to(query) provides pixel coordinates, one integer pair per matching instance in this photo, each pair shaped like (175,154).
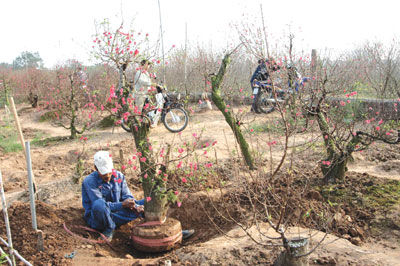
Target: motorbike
(266,101)
(172,114)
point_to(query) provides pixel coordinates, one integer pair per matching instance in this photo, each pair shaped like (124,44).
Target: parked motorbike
(173,115)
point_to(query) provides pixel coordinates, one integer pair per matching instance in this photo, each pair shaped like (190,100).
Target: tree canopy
(28,60)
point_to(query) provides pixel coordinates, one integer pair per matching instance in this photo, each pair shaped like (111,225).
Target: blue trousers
(103,219)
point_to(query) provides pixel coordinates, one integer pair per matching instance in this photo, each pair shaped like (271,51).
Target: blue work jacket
(113,192)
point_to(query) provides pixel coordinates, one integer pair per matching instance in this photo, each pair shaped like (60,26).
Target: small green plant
(43,142)
(107,121)
(49,116)
(3,258)
(80,163)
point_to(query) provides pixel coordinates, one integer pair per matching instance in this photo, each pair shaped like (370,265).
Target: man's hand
(129,204)
(139,208)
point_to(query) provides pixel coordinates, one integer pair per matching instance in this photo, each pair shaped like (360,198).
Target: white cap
(103,162)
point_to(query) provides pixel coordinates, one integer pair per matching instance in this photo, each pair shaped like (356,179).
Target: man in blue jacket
(106,198)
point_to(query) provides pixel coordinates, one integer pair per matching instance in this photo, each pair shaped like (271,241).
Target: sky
(63,29)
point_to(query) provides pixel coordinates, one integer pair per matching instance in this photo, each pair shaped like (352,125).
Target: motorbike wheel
(264,103)
(176,119)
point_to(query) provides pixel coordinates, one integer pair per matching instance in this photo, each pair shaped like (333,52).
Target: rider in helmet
(261,74)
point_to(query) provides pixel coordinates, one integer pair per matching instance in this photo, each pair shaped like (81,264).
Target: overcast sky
(63,29)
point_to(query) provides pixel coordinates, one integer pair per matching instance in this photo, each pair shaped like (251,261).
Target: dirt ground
(60,203)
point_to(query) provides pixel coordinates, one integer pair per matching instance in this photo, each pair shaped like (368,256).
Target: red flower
(179,165)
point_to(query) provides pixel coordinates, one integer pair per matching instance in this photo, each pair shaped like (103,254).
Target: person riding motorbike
(262,73)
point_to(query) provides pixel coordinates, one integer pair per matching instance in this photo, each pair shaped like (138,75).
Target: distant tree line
(374,71)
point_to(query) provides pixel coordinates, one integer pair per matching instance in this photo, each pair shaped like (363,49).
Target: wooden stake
(14,111)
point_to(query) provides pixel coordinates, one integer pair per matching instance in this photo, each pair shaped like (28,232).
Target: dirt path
(381,170)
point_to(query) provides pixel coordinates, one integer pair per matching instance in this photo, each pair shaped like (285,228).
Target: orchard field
(361,231)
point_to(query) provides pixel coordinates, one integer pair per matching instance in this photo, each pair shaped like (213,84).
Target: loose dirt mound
(58,243)
(50,221)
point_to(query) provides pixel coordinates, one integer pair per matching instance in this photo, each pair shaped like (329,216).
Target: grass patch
(278,128)
(49,141)
(9,141)
(371,202)
(374,194)
(264,128)
(384,195)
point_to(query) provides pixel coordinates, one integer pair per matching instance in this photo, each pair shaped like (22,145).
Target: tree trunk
(156,202)
(73,130)
(336,169)
(232,122)
(73,133)
(290,257)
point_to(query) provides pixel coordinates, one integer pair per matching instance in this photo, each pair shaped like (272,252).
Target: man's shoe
(187,233)
(108,234)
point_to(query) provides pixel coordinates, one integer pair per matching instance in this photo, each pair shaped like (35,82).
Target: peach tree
(69,100)
(346,124)
(124,49)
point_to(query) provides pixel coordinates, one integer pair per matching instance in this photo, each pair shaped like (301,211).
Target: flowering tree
(70,100)
(123,48)
(345,125)
(32,83)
